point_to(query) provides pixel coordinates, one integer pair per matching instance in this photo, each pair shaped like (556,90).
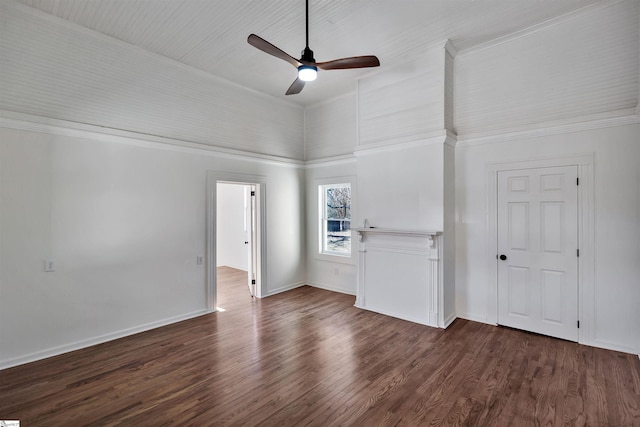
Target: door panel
(552,295)
(519,299)
(519,226)
(538,235)
(551,222)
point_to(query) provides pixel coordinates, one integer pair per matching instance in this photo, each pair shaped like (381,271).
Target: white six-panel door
(537,250)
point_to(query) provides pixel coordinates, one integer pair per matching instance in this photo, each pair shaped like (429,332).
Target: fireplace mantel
(400,274)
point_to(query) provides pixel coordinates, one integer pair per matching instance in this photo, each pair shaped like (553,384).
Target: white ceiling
(211,34)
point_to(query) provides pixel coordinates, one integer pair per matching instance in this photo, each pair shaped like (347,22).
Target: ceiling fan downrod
(307,53)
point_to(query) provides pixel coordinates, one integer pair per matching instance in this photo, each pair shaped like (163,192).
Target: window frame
(321,221)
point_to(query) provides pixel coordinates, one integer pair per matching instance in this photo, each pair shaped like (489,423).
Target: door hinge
(253,193)
(578,324)
(253,281)
(578,252)
(577,181)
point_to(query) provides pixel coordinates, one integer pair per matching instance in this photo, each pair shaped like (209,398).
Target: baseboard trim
(610,346)
(592,343)
(66,348)
(475,318)
(424,321)
(283,289)
(332,288)
(449,320)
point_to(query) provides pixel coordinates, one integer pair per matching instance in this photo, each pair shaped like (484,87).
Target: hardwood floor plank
(308,357)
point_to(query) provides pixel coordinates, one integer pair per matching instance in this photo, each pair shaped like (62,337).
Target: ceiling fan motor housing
(307,55)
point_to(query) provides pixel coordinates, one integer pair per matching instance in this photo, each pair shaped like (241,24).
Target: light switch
(49,265)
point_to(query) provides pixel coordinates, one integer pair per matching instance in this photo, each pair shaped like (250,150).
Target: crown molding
(597,121)
(451,139)
(450,48)
(28,122)
(330,161)
(440,137)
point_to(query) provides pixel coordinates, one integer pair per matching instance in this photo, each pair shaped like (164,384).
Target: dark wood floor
(308,357)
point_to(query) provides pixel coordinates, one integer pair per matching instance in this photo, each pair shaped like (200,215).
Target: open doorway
(235,238)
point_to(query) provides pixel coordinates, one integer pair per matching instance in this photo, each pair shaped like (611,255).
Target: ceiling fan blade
(295,87)
(346,63)
(265,46)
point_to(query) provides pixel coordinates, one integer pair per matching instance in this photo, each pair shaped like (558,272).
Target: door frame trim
(213,177)
(586,234)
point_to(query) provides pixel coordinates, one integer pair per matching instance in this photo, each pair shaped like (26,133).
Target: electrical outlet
(199,260)
(49,265)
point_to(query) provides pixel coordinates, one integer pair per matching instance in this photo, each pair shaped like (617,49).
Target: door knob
(503,257)
(246,243)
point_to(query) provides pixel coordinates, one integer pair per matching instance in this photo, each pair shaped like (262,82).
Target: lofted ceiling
(211,35)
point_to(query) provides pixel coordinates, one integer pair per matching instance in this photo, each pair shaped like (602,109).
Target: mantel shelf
(429,234)
(397,231)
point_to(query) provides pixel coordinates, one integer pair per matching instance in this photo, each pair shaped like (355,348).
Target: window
(335,219)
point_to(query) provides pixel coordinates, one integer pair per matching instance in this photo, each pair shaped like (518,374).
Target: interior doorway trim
(213,178)
(586,235)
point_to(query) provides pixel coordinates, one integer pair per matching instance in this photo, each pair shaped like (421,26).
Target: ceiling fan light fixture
(307,66)
(307,73)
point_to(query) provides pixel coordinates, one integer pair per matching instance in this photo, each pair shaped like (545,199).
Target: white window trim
(323,256)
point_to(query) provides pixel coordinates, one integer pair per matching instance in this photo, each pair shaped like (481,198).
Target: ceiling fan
(307,65)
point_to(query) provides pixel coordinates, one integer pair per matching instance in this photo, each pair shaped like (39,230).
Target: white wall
(330,132)
(330,128)
(449,233)
(402,188)
(124,224)
(405,103)
(402,114)
(329,272)
(616,319)
(231,251)
(399,161)
(104,152)
(565,87)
